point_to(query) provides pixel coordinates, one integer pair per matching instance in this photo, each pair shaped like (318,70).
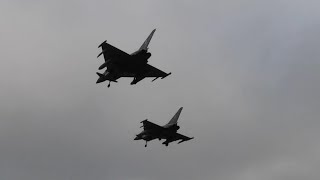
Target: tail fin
(144,46)
(175,118)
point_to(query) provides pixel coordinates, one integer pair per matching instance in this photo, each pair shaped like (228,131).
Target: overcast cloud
(246,72)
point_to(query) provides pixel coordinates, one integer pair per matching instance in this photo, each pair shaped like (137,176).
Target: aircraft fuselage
(148,135)
(121,64)
(135,65)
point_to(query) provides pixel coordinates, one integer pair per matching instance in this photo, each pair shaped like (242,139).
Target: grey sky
(246,72)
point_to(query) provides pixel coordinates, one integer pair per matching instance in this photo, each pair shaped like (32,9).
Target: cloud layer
(246,72)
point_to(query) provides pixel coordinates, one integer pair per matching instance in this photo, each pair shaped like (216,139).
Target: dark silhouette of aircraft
(153,131)
(120,64)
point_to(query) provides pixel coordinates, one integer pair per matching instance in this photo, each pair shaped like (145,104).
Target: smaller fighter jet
(168,132)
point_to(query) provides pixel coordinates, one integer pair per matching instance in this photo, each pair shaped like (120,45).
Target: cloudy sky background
(246,72)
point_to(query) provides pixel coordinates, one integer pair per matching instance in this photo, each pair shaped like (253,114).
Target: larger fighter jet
(153,131)
(120,64)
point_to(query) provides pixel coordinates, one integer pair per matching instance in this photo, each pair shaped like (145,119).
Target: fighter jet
(168,132)
(120,64)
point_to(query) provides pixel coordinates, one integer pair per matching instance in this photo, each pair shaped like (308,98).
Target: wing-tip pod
(102,43)
(185,140)
(166,75)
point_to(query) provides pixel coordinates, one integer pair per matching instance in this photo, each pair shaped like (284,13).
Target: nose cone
(137,138)
(99,80)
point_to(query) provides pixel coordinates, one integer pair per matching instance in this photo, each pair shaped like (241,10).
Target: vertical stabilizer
(175,118)
(147,41)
